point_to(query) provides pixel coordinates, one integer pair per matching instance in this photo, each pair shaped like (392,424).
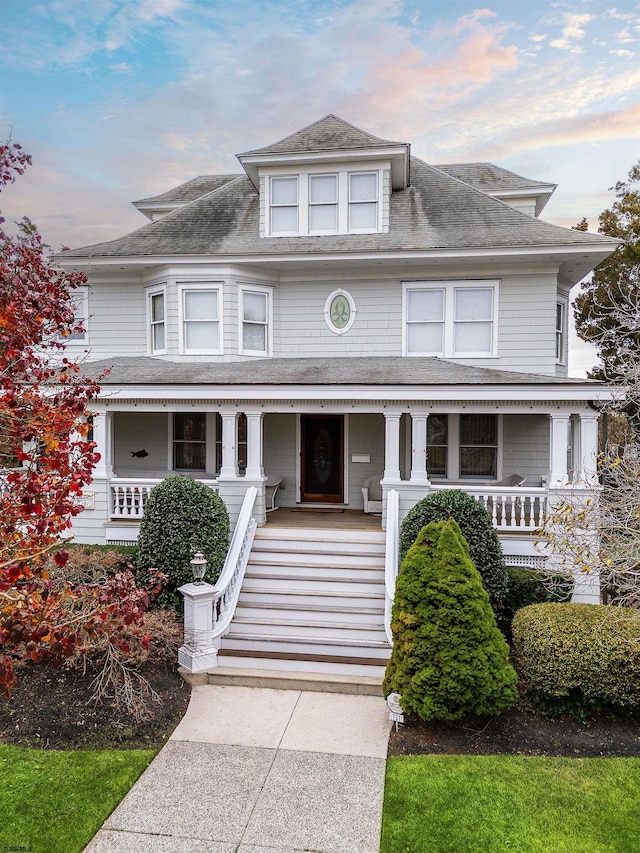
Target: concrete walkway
(257,770)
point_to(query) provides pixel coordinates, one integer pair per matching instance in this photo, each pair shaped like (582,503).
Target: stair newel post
(199,652)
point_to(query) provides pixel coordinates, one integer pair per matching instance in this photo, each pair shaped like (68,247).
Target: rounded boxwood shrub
(579,658)
(476,526)
(182,515)
(449,659)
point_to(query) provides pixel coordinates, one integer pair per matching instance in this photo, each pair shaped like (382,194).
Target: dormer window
(326,201)
(284,206)
(363,201)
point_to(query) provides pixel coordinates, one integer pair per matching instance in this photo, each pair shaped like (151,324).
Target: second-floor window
(200,319)
(255,321)
(450,319)
(561,339)
(157,322)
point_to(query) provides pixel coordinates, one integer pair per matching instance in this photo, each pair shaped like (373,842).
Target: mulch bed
(519,731)
(53,709)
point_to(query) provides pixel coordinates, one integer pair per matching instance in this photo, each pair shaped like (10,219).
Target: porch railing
(511,508)
(391,556)
(128,497)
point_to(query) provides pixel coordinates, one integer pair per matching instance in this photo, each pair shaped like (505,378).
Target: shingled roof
(375,371)
(327,134)
(189,191)
(491,178)
(437,212)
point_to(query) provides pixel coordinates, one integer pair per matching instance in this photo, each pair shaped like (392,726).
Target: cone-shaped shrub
(449,659)
(182,515)
(477,528)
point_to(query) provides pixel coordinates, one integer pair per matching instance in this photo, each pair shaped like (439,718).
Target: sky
(118,100)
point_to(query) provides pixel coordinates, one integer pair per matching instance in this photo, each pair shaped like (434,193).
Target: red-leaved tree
(46,458)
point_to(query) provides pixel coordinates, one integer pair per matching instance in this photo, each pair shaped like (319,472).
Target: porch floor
(348,519)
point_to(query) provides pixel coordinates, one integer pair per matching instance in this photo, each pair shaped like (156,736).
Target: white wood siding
(366,436)
(133,431)
(280,457)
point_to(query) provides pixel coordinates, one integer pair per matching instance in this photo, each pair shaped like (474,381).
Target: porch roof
(352,371)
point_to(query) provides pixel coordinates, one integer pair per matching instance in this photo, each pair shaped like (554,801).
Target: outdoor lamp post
(198,567)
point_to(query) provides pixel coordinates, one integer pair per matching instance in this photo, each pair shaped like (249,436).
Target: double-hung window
(80,300)
(255,321)
(323,204)
(189,441)
(284,205)
(463,446)
(200,330)
(561,334)
(363,201)
(157,321)
(450,319)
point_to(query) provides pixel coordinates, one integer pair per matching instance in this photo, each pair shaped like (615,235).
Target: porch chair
(512,480)
(372,495)
(270,490)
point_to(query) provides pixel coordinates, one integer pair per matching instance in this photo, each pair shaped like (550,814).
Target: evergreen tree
(449,659)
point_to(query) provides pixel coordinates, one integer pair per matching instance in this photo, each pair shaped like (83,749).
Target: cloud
(572,31)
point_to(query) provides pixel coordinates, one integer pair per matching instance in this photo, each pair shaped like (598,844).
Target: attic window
(326,201)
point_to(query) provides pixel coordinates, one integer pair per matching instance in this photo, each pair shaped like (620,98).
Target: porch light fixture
(198,567)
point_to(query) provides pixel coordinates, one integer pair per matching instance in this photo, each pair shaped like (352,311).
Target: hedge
(476,527)
(579,658)
(181,516)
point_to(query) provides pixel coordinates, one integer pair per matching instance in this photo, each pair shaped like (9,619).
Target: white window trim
(268,291)
(453,450)
(327,311)
(450,287)
(564,303)
(378,199)
(151,292)
(303,175)
(183,287)
(82,314)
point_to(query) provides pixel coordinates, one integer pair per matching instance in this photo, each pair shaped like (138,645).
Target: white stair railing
(391,559)
(227,588)
(208,610)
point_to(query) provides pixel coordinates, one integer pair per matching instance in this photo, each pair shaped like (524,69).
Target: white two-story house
(340,315)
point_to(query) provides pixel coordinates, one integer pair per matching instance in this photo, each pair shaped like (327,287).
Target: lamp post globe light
(198,567)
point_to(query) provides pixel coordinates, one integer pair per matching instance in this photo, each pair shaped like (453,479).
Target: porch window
(363,201)
(255,321)
(200,327)
(437,445)
(478,446)
(241,443)
(189,441)
(450,319)
(284,206)
(157,323)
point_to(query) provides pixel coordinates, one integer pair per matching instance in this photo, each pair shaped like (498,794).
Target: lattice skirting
(524,561)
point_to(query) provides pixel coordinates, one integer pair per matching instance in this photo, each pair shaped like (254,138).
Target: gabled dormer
(523,194)
(329,178)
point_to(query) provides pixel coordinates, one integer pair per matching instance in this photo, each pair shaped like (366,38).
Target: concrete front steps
(311,607)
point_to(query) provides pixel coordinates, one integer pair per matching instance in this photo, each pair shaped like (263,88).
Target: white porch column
(419,472)
(255,466)
(103,437)
(587,459)
(392,446)
(559,446)
(229,467)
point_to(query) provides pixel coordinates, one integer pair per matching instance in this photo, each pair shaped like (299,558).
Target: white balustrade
(128,498)
(510,508)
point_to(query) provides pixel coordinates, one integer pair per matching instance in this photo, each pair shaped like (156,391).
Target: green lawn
(55,802)
(511,804)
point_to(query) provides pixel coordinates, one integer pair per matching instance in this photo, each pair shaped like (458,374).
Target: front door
(322,458)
